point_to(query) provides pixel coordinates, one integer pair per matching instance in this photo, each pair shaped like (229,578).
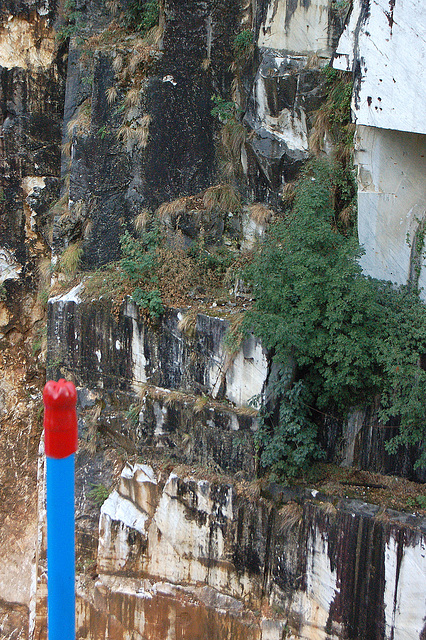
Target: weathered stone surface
(31,102)
(86,341)
(384,44)
(285,94)
(391,203)
(326,572)
(300,27)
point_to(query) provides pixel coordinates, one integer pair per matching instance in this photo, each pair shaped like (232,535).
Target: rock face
(390,140)
(188,558)
(178,552)
(31,110)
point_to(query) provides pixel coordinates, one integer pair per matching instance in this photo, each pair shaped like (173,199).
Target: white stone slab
(385,43)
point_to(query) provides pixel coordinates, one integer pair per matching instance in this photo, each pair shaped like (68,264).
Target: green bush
(352,337)
(142,15)
(139,260)
(243,44)
(224,110)
(98,493)
(139,263)
(149,300)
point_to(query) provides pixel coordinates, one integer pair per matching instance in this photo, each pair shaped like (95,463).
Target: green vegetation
(140,264)
(243,44)
(3,293)
(99,493)
(416,503)
(224,110)
(334,115)
(142,15)
(351,337)
(71,21)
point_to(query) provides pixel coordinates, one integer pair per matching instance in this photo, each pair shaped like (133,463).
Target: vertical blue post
(60,429)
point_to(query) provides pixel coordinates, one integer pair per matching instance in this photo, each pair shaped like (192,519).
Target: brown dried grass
(289,516)
(222,197)
(260,213)
(188,324)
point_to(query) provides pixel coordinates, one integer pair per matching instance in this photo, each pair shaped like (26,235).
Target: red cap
(60,419)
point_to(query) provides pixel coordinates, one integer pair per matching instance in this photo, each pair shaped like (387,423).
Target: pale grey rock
(9,267)
(391,202)
(298,27)
(384,44)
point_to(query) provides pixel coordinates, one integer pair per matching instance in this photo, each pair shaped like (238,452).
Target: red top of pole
(60,419)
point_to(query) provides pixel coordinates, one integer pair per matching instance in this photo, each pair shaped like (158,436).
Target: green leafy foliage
(99,493)
(243,44)
(224,110)
(351,337)
(334,115)
(142,15)
(72,18)
(139,263)
(290,448)
(149,300)
(139,260)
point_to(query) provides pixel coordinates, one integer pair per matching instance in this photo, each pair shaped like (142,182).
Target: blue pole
(60,548)
(60,445)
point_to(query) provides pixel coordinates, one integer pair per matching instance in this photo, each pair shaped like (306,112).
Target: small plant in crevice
(79,125)
(333,118)
(132,414)
(224,110)
(243,45)
(235,334)
(98,494)
(142,15)
(232,135)
(71,20)
(223,198)
(69,262)
(3,293)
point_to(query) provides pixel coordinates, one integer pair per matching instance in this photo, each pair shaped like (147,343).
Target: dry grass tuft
(111,94)
(260,213)
(222,197)
(142,131)
(382,516)
(69,262)
(61,207)
(66,148)
(173,398)
(234,336)
(328,508)
(233,136)
(135,133)
(346,216)
(132,97)
(112,6)
(227,170)
(319,131)
(141,220)
(313,61)
(173,208)
(247,411)
(200,403)
(117,63)
(188,324)
(80,124)
(289,516)
(205,64)
(288,193)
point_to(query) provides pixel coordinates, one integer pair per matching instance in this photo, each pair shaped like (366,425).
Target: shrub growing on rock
(351,337)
